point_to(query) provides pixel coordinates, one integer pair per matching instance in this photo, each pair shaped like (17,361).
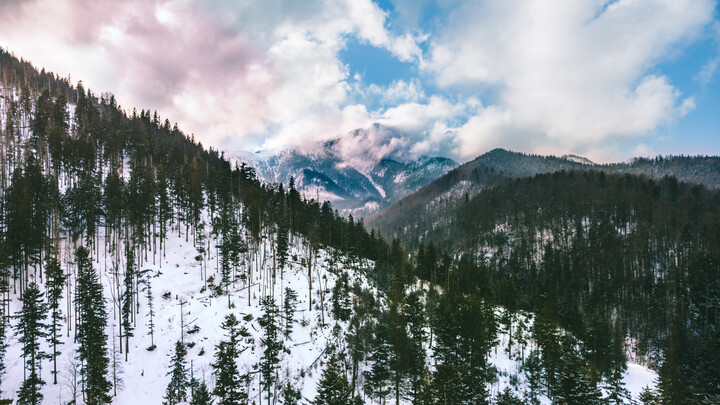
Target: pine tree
(333,387)
(465,328)
(507,397)
(649,397)
(92,340)
(416,319)
(271,344)
(228,381)
(201,395)
(151,313)
(31,330)
(281,244)
(379,374)
(55,284)
(575,387)
(290,395)
(340,298)
(128,296)
(177,388)
(289,304)
(615,386)
(673,372)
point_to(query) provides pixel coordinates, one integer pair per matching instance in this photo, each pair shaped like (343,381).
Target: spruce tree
(151,313)
(649,397)
(55,283)
(340,298)
(228,381)
(416,319)
(507,397)
(575,387)
(333,387)
(128,296)
(281,243)
(673,382)
(31,329)
(378,376)
(177,388)
(289,303)
(201,395)
(271,344)
(290,395)
(91,337)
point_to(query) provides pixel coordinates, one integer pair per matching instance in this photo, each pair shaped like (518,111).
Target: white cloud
(564,75)
(227,71)
(396,92)
(574,73)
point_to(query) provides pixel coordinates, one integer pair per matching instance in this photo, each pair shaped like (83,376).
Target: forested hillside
(136,266)
(605,255)
(95,199)
(413,215)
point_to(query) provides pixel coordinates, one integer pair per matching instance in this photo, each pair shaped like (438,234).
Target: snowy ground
(144,375)
(508,362)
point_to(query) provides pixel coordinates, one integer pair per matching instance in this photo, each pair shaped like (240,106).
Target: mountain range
(346,172)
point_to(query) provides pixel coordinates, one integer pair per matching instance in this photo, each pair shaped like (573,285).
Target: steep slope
(180,290)
(605,253)
(210,241)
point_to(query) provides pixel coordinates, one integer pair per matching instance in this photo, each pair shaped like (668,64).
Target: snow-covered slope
(178,280)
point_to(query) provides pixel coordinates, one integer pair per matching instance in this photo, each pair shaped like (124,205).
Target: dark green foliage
(201,395)
(507,397)
(177,388)
(31,330)
(575,385)
(281,238)
(290,395)
(289,304)
(55,283)
(333,387)
(91,337)
(82,207)
(377,378)
(272,345)
(228,381)
(128,296)
(113,198)
(415,316)
(341,304)
(151,312)
(27,204)
(673,386)
(465,329)
(649,397)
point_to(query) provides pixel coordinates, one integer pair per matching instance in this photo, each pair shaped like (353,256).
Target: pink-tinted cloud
(229,72)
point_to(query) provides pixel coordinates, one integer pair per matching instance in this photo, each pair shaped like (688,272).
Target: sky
(604,79)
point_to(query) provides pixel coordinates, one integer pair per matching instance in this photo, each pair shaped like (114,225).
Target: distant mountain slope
(357,186)
(433,203)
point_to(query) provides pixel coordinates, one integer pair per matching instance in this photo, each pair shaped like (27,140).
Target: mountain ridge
(356,184)
(499,164)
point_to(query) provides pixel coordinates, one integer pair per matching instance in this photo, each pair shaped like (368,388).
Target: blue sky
(605,79)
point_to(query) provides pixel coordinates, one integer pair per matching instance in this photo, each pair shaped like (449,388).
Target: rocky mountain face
(346,172)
